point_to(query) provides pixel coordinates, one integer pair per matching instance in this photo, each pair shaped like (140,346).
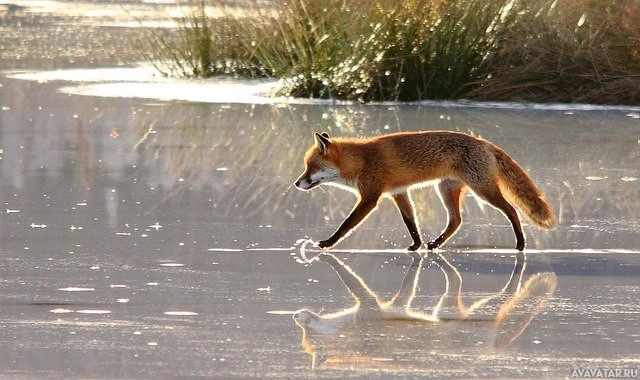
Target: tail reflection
(373,332)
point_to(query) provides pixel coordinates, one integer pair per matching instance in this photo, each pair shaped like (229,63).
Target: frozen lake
(143,237)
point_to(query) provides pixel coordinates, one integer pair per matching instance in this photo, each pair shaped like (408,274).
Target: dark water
(142,238)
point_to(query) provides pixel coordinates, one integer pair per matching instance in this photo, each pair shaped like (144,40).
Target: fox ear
(322,142)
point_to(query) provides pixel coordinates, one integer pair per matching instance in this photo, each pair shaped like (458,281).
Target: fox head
(319,164)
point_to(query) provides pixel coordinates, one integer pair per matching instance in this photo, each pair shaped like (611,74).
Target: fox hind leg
(405,205)
(451,192)
(494,197)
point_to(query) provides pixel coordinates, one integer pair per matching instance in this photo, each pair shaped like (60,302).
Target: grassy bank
(365,50)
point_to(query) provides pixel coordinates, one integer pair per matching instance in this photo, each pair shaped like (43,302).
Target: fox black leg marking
(362,209)
(451,192)
(404,204)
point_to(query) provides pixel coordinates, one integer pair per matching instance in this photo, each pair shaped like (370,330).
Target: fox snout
(312,178)
(318,176)
(305,183)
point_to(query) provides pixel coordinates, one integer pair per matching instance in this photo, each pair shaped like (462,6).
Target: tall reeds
(537,50)
(584,51)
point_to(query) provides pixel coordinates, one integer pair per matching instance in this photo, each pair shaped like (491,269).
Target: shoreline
(142,81)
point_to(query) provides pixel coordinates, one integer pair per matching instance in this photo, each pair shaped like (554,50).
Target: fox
(391,165)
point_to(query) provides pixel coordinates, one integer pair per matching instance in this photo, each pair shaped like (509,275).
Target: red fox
(391,164)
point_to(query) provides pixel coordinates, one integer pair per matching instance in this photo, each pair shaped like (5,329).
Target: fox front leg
(358,214)
(405,206)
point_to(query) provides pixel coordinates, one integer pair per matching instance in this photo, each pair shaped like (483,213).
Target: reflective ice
(147,237)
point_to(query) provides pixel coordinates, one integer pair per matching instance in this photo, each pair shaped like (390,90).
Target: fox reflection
(373,327)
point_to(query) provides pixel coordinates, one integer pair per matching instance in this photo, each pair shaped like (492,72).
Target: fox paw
(433,245)
(325,244)
(414,247)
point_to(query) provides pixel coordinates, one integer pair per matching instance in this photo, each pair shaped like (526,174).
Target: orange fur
(391,164)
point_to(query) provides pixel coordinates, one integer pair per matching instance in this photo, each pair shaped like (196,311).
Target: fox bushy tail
(522,191)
